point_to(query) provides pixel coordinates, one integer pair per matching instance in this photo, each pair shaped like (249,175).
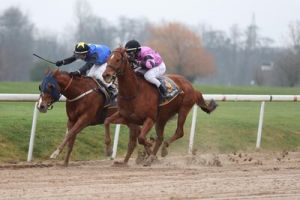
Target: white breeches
(152,74)
(96,72)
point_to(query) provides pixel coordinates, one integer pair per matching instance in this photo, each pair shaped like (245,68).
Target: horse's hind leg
(182,114)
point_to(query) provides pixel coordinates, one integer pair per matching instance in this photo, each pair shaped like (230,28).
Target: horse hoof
(108,152)
(149,161)
(164,151)
(55,154)
(141,157)
(120,164)
(141,140)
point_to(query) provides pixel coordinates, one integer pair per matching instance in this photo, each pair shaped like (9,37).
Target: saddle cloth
(172,89)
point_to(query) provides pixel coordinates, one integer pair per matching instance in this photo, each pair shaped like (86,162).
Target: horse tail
(203,105)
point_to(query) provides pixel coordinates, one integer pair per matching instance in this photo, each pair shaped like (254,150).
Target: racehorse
(85,105)
(138,104)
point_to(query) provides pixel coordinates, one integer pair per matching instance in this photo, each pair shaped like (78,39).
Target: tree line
(200,53)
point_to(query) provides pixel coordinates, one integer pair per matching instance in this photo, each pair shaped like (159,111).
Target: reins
(79,96)
(68,85)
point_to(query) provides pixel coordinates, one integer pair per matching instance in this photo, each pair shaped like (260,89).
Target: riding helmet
(81,48)
(132,45)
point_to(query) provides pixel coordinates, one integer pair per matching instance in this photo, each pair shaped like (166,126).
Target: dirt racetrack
(223,176)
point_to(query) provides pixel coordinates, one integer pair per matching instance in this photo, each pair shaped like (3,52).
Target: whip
(44,59)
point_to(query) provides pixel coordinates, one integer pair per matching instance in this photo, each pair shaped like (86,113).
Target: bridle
(120,71)
(117,69)
(57,90)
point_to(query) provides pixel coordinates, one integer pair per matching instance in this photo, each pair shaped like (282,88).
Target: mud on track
(234,176)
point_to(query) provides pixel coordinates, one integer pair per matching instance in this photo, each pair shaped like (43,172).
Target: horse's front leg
(115,119)
(134,131)
(56,153)
(148,124)
(70,138)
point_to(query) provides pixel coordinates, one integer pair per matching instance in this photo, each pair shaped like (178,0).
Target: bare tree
(91,28)
(288,65)
(16,45)
(128,29)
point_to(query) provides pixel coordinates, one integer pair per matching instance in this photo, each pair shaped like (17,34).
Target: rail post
(260,124)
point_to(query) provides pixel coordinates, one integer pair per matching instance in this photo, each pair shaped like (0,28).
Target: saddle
(172,89)
(110,101)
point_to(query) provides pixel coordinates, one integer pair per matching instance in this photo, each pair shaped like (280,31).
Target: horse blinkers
(49,94)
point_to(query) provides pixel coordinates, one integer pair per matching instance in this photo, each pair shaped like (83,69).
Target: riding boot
(112,90)
(163,91)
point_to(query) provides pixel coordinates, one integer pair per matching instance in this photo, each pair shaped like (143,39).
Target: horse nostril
(42,107)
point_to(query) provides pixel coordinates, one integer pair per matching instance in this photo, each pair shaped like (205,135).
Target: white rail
(217,97)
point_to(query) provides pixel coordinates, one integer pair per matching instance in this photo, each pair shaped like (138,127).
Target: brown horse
(138,104)
(85,105)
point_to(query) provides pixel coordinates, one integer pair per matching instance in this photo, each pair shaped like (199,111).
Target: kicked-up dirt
(209,176)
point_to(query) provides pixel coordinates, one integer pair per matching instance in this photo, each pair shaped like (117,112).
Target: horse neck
(69,90)
(128,83)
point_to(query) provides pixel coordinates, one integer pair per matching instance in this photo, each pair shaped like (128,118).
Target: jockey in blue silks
(95,56)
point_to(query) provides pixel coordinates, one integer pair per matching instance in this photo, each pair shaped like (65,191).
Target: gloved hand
(59,63)
(76,73)
(131,59)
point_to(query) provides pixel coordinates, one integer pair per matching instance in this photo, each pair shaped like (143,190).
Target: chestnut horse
(138,104)
(85,105)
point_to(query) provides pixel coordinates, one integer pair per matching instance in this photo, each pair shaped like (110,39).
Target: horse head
(116,64)
(49,92)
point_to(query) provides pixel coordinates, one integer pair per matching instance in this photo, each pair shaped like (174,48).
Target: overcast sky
(272,16)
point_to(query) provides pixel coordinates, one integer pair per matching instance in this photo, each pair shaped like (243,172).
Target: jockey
(95,56)
(150,61)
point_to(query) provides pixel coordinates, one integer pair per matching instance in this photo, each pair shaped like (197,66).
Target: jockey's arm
(88,65)
(148,62)
(85,68)
(69,60)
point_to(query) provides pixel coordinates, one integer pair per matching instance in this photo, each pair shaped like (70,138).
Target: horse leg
(134,131)
(133,134)
(107,140)
(78,126)
(57,152)
(148,124)
(70,148)
(115,119)
(160,126)
(182,114)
